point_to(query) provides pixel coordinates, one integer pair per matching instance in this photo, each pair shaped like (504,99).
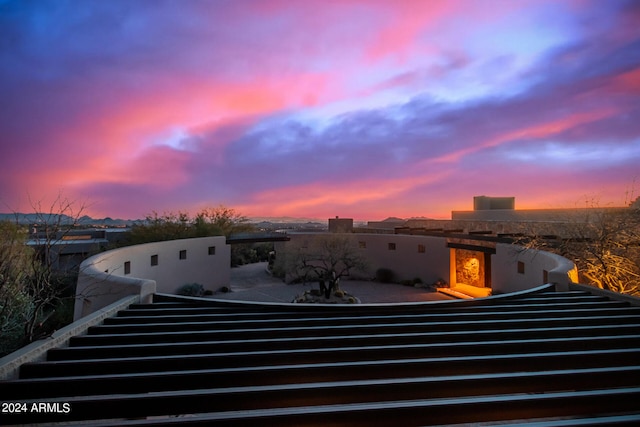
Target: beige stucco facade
(430,258)
(163,267)
(152,267)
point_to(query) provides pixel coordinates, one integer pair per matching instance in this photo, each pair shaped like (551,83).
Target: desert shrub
(263,250)
(441,283)
(277,270)
(191,290)
(385,275)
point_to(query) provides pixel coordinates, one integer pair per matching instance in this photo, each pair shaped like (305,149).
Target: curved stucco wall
(407,256)
(429,258)
(151,267)
(103,279)
(516,268)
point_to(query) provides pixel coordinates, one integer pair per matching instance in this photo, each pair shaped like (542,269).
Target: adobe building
(340,225)
(483,203)
(501,209)
(472,236)
(547,351)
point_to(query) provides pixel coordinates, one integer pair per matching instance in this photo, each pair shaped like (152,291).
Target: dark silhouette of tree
(325,259)
(158,228)
(219,221)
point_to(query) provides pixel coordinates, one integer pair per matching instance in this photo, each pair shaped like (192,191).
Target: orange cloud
(329,196)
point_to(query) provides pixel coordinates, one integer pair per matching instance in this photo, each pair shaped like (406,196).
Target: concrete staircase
(545,359)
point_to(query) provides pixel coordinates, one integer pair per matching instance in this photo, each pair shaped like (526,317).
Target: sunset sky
(362,109)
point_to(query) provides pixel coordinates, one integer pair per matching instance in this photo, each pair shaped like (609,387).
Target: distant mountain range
(32,218)
(285,220)
(261,222)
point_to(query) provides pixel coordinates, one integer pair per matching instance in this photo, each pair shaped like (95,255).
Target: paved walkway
(253,283)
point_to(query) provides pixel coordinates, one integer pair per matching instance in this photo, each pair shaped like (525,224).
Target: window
(154,260)
(183,254)
(520,267)
(78,237)
(362,245)
(212,250)
(422,249)
(127,267)
(392,246)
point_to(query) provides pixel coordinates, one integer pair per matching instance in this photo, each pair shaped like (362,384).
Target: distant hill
(32,218)
(299,224)
(393,219)
(267,222)
(286,220)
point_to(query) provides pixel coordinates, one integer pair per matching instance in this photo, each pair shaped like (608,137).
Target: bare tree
(32,282)
(607,250)
(15,270)
(325,259)
(604,243)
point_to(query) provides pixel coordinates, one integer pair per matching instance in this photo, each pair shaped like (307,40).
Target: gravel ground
(253,283)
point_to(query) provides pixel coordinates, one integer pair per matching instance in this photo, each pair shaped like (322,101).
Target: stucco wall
(555,215)
(37,350)
(496,226)
(406,261)
(509,276)
(102,279)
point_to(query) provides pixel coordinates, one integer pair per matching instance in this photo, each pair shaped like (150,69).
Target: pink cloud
(628,82)
(334,197)
(207,103)
(537,131)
